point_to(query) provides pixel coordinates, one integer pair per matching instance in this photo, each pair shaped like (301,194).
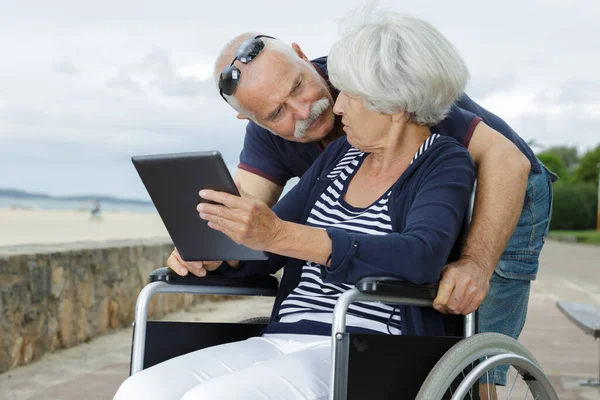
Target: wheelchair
(395,366)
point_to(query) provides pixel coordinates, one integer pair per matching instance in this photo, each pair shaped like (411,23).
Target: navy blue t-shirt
(280,160)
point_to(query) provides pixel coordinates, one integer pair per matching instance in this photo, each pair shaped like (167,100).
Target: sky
(86,85)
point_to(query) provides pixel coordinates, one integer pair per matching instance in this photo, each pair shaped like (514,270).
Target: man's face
(287,97)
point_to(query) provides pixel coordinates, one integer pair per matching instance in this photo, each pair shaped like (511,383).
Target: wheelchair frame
(474,353)
(369,289)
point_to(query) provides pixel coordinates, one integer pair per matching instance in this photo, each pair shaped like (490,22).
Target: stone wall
(59,296)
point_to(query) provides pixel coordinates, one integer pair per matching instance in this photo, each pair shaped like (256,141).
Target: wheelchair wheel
(460,369)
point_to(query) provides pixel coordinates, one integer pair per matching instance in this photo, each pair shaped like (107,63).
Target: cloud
(571,93)
(66,68)
(568,128)
(157,72)
(123,81)
(482,86)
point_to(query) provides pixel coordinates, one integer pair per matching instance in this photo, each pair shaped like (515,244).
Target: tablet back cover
(173,182)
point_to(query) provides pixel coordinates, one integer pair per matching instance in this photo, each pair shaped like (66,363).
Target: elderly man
(289,102)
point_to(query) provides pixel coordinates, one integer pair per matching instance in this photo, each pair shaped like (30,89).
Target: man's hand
(198,268)
(463,287)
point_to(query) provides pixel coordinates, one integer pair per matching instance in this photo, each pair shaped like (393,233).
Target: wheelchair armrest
(214,279)
(397,287)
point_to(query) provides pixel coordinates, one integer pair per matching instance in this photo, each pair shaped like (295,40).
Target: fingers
(211,265)
(455,293)
(233,223)
(207,210)
(197,268)
(444,293)
(461,290)
(176,264)
(228,200)
(460,297)
(181,267)
(233,229)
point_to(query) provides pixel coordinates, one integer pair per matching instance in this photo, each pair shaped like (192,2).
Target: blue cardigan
(427,207)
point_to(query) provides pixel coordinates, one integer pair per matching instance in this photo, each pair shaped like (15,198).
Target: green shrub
(575,206)
(555,164)
(587,171)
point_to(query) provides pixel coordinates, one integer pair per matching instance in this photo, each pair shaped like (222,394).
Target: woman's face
(366,130)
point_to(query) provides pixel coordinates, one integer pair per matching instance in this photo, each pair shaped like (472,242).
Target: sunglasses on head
(247,52)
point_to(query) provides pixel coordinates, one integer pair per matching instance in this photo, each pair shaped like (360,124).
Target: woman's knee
(132,388)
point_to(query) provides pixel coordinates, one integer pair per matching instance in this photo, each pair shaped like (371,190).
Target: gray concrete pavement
(568,272)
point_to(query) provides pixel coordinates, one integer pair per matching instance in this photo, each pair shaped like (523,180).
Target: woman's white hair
(397,63)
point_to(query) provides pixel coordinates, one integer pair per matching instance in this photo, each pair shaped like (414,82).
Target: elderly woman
(388,199)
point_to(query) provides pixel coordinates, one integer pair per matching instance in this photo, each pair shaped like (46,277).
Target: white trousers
(272,367)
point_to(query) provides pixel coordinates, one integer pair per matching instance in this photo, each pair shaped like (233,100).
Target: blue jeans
(505,307)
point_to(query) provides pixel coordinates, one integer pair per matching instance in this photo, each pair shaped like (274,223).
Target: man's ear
(242,116)
(299,51)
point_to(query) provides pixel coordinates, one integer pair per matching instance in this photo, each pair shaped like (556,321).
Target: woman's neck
(399,150)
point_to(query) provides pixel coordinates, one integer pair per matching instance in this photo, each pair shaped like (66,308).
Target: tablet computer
(173,182)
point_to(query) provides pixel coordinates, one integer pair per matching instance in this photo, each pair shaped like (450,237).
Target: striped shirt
(314,300)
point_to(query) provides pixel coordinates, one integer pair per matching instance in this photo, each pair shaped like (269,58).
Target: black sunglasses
(247,52)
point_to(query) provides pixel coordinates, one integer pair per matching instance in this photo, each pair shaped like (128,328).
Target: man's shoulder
(446,142)
(321,64)
(447,147)
(321,61)
(445,152)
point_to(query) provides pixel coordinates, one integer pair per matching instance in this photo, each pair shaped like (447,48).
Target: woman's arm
(433,224)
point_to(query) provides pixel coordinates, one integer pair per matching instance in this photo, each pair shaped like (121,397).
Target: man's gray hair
(398,63)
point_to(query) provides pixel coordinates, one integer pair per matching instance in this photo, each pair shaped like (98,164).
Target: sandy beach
(19,227)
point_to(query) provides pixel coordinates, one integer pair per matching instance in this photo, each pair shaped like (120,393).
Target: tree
(555,164)
(568,155)
(587,171)
(574,206)
(534,144)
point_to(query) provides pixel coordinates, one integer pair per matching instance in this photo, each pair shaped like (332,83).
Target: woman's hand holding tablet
(246,220)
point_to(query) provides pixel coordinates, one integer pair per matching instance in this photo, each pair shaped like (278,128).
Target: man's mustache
(317,108)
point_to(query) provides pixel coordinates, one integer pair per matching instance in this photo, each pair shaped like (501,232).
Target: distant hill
(20,194)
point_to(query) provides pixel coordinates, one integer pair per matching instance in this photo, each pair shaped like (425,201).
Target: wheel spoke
(487,377)
(471,390)
(526,393)
(513,385)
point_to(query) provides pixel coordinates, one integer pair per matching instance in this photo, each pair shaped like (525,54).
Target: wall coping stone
(29,249)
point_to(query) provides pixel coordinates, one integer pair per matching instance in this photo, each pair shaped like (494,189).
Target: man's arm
(259,187)
(502,172)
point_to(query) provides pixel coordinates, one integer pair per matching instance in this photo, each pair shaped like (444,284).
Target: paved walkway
(569,272)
